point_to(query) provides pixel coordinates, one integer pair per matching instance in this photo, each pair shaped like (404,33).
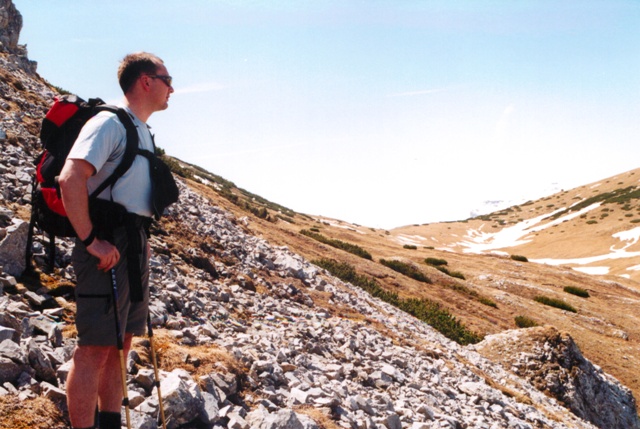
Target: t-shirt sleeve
(99,141)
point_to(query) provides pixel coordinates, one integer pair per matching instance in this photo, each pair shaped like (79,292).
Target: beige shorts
(94,293)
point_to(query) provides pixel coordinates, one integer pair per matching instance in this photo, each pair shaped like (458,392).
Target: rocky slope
(251,334)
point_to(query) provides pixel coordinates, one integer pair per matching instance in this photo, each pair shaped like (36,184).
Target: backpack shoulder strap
(130,150)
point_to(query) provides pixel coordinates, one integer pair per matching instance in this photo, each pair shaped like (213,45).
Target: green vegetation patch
(425,310)
(574,290)
(619,196)
(519,258)
(525,322)
(406,269)
(456,274)
(436,262)
(173,164)
(338,244)
(553,302)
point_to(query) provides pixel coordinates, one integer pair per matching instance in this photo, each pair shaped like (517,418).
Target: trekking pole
(155,370)
(123,369)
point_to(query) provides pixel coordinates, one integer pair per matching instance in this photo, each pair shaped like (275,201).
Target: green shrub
(347,247)
(423,309)
(519,258)
(553,302)
(457,275)
(433,314)
(619,196)
(488,302)
(406,269)
(347,273)
(435,262)
(574,290)
(409,246)
(525,322)
(175,166)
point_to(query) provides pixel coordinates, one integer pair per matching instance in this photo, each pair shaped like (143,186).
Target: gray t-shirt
(102,143)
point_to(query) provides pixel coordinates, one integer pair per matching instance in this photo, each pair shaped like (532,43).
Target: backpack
(60,128)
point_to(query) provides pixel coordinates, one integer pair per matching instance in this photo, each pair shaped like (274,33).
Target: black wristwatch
(92,236)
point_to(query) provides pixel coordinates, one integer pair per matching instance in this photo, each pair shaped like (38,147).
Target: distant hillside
(593,229)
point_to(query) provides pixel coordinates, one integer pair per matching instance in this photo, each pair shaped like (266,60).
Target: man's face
(161,88)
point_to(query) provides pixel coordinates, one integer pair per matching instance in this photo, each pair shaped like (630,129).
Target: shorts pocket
(94,303)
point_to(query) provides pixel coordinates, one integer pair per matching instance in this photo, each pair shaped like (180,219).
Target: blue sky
(382,112)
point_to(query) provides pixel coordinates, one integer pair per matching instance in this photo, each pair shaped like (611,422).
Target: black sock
(109,420)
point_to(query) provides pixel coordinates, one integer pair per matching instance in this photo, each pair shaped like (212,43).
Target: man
(95,375)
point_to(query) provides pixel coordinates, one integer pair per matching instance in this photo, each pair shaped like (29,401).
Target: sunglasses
(166,79)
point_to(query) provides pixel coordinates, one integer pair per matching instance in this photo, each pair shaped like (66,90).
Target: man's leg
(109,384)
(82,384)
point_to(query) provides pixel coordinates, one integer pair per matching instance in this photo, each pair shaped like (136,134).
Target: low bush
(433,314)
(456,274)
(436,262)
(439,264)
(409,246)
(525,322)
(574,290)
(519,258)
(347,247)
(260,212)
(406,269)
(425,310)
(553,302)
(347,273)
(488,302)
(175,166)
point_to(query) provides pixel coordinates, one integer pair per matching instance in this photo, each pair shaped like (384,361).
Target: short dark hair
(134,65)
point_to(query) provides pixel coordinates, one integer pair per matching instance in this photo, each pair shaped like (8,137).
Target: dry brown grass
(198,360)
(38,413)
(320,416)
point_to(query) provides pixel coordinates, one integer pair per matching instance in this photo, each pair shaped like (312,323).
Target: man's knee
(91,354)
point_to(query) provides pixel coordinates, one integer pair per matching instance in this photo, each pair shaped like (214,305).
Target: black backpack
(59,131)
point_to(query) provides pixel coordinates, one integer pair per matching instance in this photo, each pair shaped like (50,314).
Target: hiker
(112,242)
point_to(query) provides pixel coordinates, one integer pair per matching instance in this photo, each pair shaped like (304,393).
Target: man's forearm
(73,188)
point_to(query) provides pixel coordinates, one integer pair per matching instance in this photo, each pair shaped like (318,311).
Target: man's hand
(106,252)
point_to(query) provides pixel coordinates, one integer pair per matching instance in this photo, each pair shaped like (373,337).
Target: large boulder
(13,248)
(553,363)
